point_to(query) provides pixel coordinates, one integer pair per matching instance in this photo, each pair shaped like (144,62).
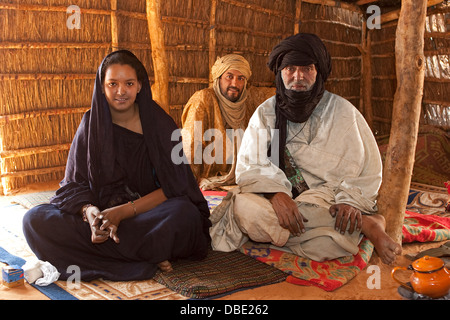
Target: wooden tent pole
(212,37)
(410,68)
(114,30)
(298,13)
(160,89)
(366,62)
(393,15)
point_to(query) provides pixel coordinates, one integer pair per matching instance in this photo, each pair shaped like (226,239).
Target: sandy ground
(373,283)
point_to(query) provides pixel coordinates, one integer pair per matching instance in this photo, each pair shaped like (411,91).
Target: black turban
(302,49)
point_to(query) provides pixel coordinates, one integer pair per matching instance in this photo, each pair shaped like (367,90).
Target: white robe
(335,151)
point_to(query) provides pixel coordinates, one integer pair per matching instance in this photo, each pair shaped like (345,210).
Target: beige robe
(338,157)
(203,107)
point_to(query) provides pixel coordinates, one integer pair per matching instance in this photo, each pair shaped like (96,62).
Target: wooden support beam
(4,119)
(32,172)
(48,8)
(256,8)
(114,28)
(366,80)
(298,15)
(363,2)
(394,15)
(410,70)
(160,89)
(45,76)
(53,45)
(212,37)
(336,3)
(36,150)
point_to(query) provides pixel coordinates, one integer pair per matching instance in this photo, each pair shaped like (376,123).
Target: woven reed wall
(436,97)
(341,31)
(216,28)
(47,71)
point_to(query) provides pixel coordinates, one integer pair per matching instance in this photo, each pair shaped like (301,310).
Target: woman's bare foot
(165,266)
(373,227)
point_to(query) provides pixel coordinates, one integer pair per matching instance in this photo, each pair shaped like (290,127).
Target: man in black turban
(301,50)
(309,168)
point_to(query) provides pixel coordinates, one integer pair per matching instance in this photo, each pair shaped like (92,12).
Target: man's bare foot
(373,227)
(165,266)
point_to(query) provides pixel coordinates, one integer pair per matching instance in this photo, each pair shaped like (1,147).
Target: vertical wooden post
(160,89)
(114,30)
(366,65)
(212,37)
(298,12)
(405,117)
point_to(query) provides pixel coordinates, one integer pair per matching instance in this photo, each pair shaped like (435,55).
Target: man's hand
(287,212)
(345,213)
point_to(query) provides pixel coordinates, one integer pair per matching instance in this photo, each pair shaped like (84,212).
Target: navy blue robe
(110,165)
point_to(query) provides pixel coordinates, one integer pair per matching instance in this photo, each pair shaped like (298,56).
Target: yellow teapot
(430,277)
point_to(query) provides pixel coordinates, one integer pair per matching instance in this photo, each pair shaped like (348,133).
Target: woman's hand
(98,235)
(287,212)
(111,219)
(107,221)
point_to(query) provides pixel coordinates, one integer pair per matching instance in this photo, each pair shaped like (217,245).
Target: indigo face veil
(91,158)
(301,49)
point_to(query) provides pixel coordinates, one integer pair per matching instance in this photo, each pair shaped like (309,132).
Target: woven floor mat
(217,274)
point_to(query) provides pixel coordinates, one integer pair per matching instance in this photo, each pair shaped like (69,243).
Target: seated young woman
(123,208)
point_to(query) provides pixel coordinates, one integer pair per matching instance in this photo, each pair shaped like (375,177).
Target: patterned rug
(425,200)
(13,241)
(432,156)
(219,274)
(333,274)
(330,275)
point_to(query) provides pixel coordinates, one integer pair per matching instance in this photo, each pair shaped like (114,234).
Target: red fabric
(327,275)
(330,275)
(335,273)
(214,193)
(425,227)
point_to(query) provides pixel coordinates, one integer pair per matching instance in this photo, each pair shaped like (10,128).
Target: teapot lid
(427,264)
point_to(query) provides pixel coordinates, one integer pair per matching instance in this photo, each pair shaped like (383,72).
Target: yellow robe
(203,106)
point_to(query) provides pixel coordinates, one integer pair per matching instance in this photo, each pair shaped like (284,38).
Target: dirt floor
(373,283)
